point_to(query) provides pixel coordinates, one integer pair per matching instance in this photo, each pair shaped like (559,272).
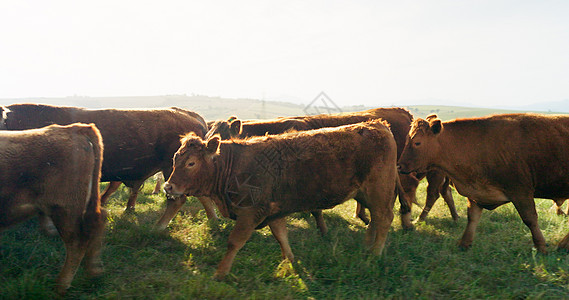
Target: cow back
(138,143)
(315,169)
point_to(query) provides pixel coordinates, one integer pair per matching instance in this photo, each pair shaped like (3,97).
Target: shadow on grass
(179,263)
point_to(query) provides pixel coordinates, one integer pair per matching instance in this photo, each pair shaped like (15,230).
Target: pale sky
(358,52)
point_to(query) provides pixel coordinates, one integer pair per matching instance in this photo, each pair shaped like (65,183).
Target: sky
(483,53)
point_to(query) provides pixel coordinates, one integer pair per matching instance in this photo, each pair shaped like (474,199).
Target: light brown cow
(400,122)
(259,181)
(55,171)
(496,160)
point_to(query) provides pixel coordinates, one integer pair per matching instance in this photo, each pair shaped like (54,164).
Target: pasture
(179,263)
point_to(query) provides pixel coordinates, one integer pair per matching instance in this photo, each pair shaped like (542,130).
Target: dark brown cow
(138,143)
(55,171)
(495,160)
(400,122)
(259,181)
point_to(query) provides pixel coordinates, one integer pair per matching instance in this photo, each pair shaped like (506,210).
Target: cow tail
(94,216)
(405,203)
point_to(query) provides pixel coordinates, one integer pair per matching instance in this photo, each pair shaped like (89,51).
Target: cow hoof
(464,247)
(213,222)
(160,227)
(47,227)
(406,222)
(364,219)
(50,230)
(129,210)
(408,227)
(218,277)
(95,269)
(418,221)
(61,291)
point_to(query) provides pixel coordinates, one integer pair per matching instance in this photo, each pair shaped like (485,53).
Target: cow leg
(526,209)
(93,263)
(111,188)
(158,186)
(409,183)
(244,227)
(134,187)
(173,205)
(378,228)
(446,192)
(432,196)
(559,208)
(46,225)
(279,230)
(361,213)
(474,213)
(68,225)
(209,207)
(320,223)
(379,200)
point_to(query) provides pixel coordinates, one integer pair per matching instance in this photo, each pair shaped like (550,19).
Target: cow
(259,181)
(495,160)
(400,122)
(138,143)
(55,171)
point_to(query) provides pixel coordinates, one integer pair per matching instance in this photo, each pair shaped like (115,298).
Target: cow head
(229,129)
(3,117)
(193,172)
(422,146)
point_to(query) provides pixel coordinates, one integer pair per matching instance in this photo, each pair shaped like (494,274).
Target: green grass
(179,263)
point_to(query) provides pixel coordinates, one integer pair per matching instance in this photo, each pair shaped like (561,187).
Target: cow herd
(259,171)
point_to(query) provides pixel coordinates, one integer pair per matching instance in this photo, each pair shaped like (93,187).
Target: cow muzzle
(172,189)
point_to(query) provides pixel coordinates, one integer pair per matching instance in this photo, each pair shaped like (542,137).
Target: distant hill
(212,108)
(453,112)
(560,106)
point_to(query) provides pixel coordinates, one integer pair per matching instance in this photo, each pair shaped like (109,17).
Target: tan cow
(399,120)
(261,180)
(55,171)
(496,160)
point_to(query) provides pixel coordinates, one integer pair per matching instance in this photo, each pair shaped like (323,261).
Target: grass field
(179,263)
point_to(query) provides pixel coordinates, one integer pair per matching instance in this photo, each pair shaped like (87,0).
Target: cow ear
(212,145)
(431,117)
(235,128)
(436,126)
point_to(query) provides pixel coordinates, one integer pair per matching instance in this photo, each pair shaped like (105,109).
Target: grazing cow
(259,181)
(55,171)
(495,160)
(138,143)
(400,121)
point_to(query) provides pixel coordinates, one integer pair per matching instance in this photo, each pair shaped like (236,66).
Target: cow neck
(223,168)
(464,158)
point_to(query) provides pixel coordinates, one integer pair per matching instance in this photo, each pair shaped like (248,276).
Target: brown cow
(138,143)
(495,160)
(400,122)
(259,181)
(55,171)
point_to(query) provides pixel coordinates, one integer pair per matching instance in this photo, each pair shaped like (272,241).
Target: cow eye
(417,144)
(191,164)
